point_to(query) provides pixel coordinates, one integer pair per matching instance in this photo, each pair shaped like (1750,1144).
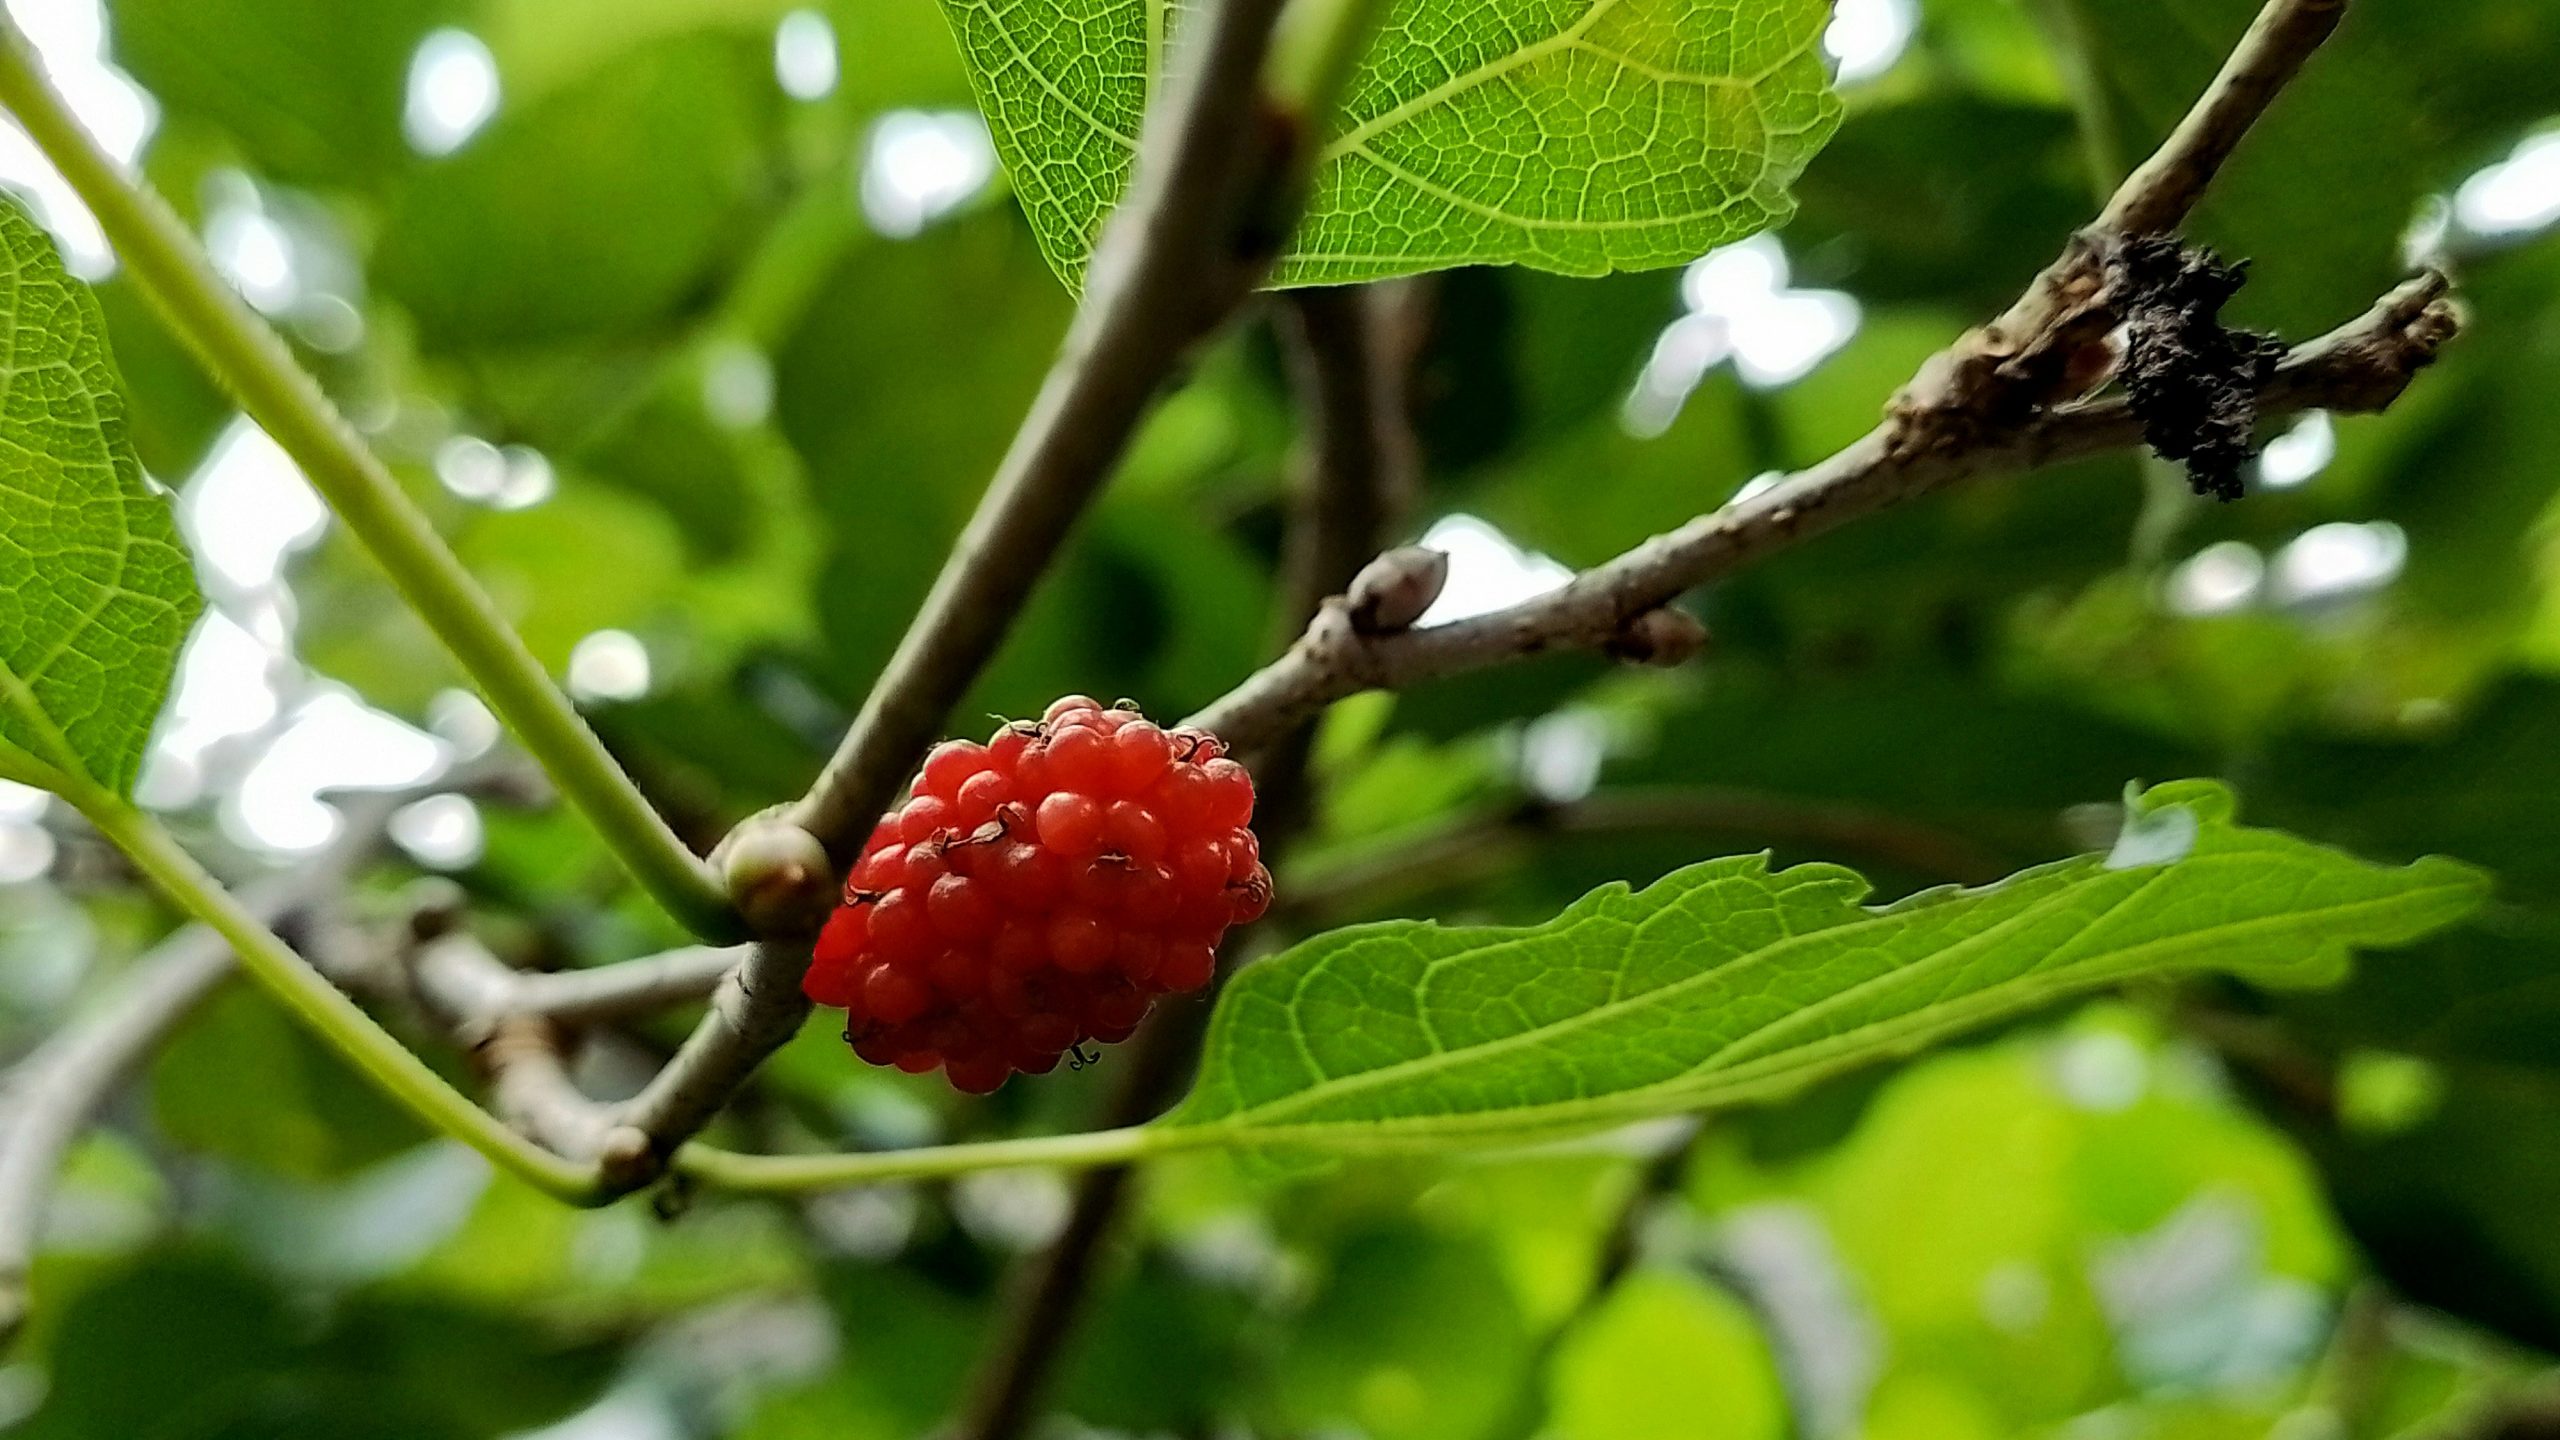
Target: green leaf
(1728,982)
(601,211)
(308,1123)
(1665,1355)
(1579,136)
(1413,1336)
(247,1358)
(2455,1212)
(1903,208)
(96,593)
(310,90)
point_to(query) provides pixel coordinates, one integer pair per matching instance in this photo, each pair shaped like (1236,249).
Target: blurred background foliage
(699,323)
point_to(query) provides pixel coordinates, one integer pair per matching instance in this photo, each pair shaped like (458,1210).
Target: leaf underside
(1578,136)
(1728,982)
(96,592)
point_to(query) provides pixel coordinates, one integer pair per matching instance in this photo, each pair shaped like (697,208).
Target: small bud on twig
(1392,591)
(778,876)
(435,908)
(626,1157)
(1665,637)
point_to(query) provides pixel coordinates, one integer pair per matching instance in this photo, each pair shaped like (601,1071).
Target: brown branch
(470,987)
(2159,196)
(1996,402)
(1349,365)
(2364,365)
(521,1027)
(526,1060)
(2026,358)
(621,991)
(753,1013)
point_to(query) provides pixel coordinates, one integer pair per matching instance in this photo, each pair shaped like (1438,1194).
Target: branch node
(777,874)
(671,1200)
(435,907)
(1392,591)
(1665,638)
(2366,364)
(627,1159)
(2036,347)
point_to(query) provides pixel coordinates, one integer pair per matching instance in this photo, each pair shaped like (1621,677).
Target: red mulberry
(1039,891)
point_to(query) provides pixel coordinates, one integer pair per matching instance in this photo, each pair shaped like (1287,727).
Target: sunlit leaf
(308,1123)
(1665,1356)
(96,594)
(597,211)
(1414,1336)
(310,90)
(1728,982)
(1580,136)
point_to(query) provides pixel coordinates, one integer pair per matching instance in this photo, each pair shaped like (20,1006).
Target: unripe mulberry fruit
(1040,891)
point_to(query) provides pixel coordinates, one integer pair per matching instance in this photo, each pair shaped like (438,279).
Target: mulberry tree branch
(2000,400)
(521,1027)
(2003,399)
(1221,173)
(2362,366)
(2160,195)
(474,989)
(2024,359)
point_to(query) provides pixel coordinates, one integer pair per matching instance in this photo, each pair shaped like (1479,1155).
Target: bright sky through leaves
(69,35)
(453,91)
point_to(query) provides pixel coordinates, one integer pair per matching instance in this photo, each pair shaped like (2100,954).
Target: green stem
(18,766)
(791,1174)
(247,357)
(320,1005)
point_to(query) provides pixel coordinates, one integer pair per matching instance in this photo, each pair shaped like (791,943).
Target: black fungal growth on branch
(2192,380)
